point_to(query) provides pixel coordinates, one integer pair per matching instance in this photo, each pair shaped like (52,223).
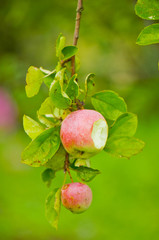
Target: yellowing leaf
(53,206)
(34,79)
(31,127)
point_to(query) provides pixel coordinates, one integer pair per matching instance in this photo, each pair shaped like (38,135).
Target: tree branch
(76,33)
(66,166)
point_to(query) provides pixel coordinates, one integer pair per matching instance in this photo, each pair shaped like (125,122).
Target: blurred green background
(126,194)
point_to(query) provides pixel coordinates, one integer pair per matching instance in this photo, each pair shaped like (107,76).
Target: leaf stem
(76,32)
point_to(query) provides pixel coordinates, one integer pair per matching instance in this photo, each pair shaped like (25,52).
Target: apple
(76,197)
(84,133)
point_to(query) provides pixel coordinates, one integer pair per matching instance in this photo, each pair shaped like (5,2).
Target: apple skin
(76,197)
(76,133)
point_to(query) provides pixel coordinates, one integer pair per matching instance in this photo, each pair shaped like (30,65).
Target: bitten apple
(84,133)
(76,197)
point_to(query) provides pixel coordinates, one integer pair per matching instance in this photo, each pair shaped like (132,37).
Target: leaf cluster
(65,95)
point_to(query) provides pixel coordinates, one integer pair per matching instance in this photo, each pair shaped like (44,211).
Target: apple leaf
(53,206)
(72,89)
(57,161)
(86,174)
(69,52)
(47,176)
(48,120)
(109,104)
(124,146)
(149,35)
(60,43)
(89,83)
(60,76)
(59,97)
(31,127)
(124,126)
(47,107)
(48,79)
(34,79)
(147,9)
(42,148)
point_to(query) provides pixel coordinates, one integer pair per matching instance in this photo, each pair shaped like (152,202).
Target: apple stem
(66,166)
(64,181)
(76,32)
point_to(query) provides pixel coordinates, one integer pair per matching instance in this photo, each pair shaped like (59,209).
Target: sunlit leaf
(34,79)
(109,104)
(149,35)
(47,107)
(48,120)
(48,76)
(53,206)
(60,76)
(31,127)
(42,148)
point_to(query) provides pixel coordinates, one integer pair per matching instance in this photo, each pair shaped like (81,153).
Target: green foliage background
(125,202)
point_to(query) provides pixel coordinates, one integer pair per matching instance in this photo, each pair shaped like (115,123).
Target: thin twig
(66,167)
(76,33)
(64,181)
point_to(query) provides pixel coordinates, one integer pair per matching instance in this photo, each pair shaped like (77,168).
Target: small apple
(84,133)
(76,197)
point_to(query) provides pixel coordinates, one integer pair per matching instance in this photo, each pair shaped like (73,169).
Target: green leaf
(60,76)
(49,76)
(57,161)
(89,83)
(73,89)
(124,146)
(34,79)
(42,148)
(109,104)
(47,176)
(31,127)
(47,107)
(149,35)
(124,126)
(86,174)
(82,162)
(69,52)
(48,120)
(46,71)
(60,43)
(53,206)
(59,97)
(49,79)
(147,9)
